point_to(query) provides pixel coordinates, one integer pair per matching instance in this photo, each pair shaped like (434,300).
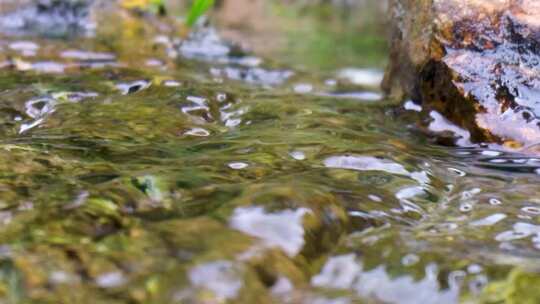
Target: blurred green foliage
(197,9)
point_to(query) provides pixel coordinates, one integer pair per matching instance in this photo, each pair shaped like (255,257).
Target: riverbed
(138,167)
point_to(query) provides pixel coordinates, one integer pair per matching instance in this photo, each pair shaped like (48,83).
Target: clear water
(137,169)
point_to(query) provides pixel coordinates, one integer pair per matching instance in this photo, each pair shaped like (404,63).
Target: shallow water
(139,169)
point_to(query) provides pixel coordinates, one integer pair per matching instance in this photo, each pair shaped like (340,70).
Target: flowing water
(136,168)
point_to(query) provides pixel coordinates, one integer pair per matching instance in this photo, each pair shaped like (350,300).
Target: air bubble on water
(375,198)
(87,56)
(494,202)
(366,163)
(468,194)
(171,83)
(196,99)
(457,172)
(531,210)
(238,165)
(126,88)
(446,226)
(410,192)
(510,236)
(303,88)
(465,207)
(48,67)
(199,132)
(231,123)
(362,96)
(298,155)
(358,214)
(490,220)
(111,280)
(221,97)
(232,118)
(520,230)
(199,104)
(73,96)
(475,190)
(491,153)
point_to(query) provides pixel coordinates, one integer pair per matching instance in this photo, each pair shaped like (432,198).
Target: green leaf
(198,8)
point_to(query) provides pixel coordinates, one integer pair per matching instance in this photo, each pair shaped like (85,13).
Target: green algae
(217,190)
(519,287)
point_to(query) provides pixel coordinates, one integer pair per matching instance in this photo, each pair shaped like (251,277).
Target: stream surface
(137,168)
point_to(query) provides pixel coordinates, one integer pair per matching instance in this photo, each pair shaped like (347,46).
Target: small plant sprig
(198,9)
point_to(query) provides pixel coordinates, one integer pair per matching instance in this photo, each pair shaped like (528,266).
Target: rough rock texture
(477,62)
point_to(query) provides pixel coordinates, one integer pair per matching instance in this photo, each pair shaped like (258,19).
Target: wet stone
(474,62)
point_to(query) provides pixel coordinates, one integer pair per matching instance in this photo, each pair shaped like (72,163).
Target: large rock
(477,62)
